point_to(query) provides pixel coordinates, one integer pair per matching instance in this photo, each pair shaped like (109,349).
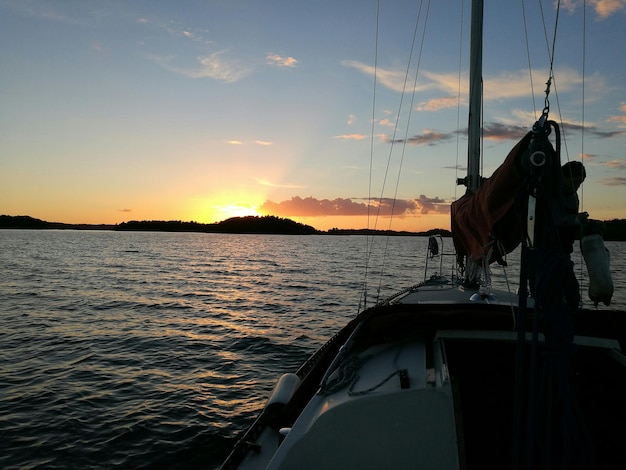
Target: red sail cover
(486,216)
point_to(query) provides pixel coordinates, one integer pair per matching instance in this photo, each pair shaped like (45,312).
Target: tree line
(613,230)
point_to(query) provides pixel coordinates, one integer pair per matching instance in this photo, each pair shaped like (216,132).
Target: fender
(284,389)
(598,259)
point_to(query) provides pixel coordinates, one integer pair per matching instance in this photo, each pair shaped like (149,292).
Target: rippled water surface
(153,350)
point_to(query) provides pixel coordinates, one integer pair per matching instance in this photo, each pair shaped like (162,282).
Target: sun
(215,208)
(236,210)
(216,212)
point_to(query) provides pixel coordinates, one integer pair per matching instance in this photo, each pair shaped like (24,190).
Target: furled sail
(487,216)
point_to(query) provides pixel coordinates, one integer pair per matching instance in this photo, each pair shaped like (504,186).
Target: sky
(201,110)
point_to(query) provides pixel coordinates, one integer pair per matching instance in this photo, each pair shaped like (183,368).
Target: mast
(472,180)
(475,96)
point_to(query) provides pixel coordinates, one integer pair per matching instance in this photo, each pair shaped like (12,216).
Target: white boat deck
(373,419)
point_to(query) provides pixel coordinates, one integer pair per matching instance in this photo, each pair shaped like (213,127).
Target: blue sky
(201,110)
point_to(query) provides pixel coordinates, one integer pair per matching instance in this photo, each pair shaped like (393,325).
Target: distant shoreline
(235,225)
(615,230)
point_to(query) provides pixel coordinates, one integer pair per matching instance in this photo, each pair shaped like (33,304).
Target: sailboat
(452,374)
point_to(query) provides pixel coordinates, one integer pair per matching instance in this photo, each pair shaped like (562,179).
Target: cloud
(313,207)
(265,143)
(279,61)
(392,79)
(617,164)
(428,137)
(263,182)
(215,66)
(395,79)
(351,136)
(569,128)
(433,205)
(603,8)
(613,181)
(616,167)
(458,167)
(351,119)
(505,85)
(48,12)
(124,210)
(438,103)
(497,131)
(218,68)
(516,84)
(593,130)
(620,118)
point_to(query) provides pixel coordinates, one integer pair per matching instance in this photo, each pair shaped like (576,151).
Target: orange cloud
(313,207)
(605,8)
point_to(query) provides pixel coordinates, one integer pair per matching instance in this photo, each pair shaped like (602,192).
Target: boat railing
(435,254)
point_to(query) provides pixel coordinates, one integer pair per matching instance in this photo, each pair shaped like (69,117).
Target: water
(153,350)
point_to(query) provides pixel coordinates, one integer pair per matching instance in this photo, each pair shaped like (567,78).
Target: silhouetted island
(268,224)
(30,223)
(251,224)
(614,230)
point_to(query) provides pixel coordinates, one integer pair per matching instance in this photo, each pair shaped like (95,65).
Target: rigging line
(395,129)
(410,110)
(369,188)
(554,35)
(458,101)
(408,123)
(530,68)
(552,80)
(551,49)
(550,52)
(482,127)
(501,249)
(373,123)
(554,85)
(551,76)
(582,127)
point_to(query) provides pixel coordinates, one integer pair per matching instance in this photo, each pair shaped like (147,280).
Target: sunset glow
(211,110)
(235,211)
